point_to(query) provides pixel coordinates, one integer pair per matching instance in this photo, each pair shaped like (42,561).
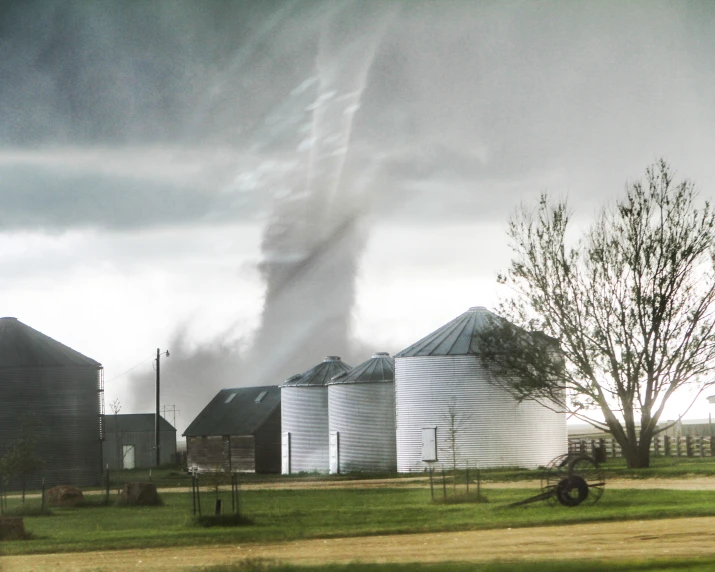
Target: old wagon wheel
(573,479)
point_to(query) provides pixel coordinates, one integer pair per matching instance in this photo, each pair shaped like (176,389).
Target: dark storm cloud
(95,73)
(56,197)
(461,97)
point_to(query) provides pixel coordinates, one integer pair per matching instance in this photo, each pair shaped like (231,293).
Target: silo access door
(285,452)
(334,452)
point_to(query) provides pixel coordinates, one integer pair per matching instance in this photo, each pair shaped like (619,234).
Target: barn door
(334,452)
(285,452)
(128,457)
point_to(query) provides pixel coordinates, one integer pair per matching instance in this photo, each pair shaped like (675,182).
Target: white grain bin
(361,407)
(443,391)
(304,418)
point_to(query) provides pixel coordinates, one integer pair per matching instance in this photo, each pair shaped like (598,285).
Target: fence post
(444,484)
(582,447)
(701,446)
(689,445)
(467,478)
(666,445)
(613,448)
(656,446)
(431,482)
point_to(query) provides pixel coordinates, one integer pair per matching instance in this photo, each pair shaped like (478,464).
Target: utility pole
(156,413)
(173,410)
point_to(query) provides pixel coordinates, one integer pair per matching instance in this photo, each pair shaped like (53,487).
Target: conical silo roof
(380,368)
(320,374)
(23,346)
(455,338)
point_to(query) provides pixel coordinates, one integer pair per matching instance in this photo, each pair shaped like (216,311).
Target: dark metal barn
(52,395)
(238,431)
(129,441)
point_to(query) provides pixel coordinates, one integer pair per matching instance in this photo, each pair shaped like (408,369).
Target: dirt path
(637,539)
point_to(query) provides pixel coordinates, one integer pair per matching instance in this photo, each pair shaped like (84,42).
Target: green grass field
(322,513)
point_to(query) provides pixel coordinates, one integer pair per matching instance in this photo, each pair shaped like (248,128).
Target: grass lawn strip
(282,515)
(606,546)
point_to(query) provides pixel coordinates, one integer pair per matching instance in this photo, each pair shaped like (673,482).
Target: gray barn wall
(143,441)
(268,444)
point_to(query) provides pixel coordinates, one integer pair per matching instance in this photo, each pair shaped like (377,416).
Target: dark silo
(53,396)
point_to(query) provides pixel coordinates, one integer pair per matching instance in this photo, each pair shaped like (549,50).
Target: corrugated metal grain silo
(304,418)
(361,407)
(446,406)
(53,395)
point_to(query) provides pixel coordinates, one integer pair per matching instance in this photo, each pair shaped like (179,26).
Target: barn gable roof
(455,338)
(320,374)
(134,423)
(23,346)
(380,368)
(237,411)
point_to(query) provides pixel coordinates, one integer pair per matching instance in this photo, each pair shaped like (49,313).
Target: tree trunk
(638,454)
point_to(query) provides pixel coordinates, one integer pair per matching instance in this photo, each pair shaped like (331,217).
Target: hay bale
(140,494)
(12,528)
(64,495)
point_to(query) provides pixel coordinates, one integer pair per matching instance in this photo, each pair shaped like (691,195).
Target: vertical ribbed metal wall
(492,428)
(364,416)
(60,408)
(304,414)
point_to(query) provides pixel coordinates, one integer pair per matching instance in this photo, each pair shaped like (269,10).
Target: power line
(130,369)
(171,409)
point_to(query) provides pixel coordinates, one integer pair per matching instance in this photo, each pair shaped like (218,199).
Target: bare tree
(620,319)
(119,436)
(455,419)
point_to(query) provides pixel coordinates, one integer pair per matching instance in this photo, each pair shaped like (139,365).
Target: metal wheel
(573,479)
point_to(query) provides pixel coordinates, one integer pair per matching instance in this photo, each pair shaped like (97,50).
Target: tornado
(316,232)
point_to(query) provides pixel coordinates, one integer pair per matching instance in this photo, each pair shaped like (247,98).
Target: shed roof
(23,346)
(455,338)
(320,374)
(135,423)
(241,414)
(380,368)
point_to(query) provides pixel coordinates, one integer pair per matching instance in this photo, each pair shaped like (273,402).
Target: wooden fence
(666,446)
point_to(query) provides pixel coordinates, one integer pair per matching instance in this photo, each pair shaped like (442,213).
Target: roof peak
(380,368)
(23,346)
(454,338)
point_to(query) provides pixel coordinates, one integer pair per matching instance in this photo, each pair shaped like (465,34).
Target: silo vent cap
(475,308)
(8,318)
(380,354)
(332,358)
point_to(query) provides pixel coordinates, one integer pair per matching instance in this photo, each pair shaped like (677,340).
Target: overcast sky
(156,158)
